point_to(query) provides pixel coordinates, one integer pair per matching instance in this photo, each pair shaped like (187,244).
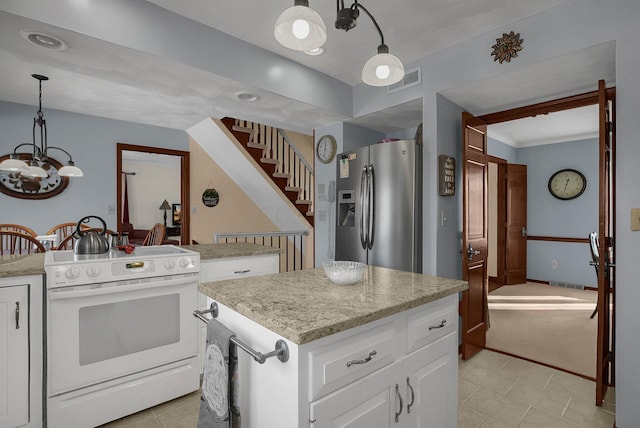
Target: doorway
(181,226)
(558,236)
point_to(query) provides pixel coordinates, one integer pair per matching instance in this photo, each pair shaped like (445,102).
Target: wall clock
(567,184)
(326,148)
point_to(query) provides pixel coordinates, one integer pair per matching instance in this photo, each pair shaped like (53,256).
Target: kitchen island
(382,352)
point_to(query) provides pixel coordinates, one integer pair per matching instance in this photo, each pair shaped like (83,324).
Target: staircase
(280,160)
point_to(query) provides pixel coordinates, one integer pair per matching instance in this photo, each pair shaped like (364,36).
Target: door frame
(501,209)
(185,232)
(565,103)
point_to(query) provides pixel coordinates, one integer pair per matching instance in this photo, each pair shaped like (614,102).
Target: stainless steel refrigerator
(379,205)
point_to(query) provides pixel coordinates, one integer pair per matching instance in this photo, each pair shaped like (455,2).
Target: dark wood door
(473,305)
(516,224)
(606,231)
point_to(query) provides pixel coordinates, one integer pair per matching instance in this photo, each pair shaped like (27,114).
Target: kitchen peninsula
(382,352)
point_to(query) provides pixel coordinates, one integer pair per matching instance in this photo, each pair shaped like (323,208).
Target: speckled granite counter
(21,265)
(240,249)
(33,264)
(303,306)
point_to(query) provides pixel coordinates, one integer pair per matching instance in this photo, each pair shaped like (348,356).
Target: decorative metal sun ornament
(507,47)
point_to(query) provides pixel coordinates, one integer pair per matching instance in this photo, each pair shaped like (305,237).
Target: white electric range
(120,332)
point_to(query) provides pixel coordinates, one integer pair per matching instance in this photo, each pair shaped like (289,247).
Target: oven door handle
(85,291)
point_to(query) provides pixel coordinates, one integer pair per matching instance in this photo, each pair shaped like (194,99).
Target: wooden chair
(63,230)
(18,228)
(12,242)
(155,235)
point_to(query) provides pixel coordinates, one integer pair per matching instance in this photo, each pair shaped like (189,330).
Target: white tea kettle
(90,241)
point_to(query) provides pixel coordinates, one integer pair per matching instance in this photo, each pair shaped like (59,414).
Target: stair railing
(291,163)
(292,243)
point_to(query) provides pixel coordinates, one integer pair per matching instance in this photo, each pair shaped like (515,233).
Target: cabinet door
(431,385)
(370,402)
(14,356)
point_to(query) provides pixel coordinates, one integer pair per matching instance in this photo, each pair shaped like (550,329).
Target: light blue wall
(549,216)
(357,136)
(449,263)
(501,150)
(92,143)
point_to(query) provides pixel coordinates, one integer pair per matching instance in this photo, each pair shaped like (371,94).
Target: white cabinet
(20,388)
(414,389)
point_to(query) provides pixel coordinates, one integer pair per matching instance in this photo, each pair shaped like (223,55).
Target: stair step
(281,175)
(310,214)
(270,161)
(242,129)
(303,202)
(257,145)
(293,189)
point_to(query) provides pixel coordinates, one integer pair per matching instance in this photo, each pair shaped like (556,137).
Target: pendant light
(34,166)
(300,28)
(382,69)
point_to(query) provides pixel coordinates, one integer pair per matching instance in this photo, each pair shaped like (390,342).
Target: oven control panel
(92,271)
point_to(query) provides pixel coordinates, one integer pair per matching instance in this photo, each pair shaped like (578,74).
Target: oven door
(100,332)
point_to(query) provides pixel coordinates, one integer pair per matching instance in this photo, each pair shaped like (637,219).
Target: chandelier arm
(63,150)
(358,5)
(15,149)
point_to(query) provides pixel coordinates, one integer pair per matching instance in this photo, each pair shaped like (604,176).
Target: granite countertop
(303,306)
(33,264)
(21,265)
(240,249)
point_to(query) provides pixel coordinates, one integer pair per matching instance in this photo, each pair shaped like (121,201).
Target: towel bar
(281,351)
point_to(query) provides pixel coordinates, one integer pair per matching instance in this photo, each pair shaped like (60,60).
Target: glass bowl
(344,272)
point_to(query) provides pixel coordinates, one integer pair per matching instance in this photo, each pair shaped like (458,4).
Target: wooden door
(516,224)
(473,306)
(606,231)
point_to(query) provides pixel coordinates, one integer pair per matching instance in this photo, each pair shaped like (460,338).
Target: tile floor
(494,391)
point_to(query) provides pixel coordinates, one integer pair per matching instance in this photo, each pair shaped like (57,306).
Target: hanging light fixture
(300,28)
(382,69)
(39,156)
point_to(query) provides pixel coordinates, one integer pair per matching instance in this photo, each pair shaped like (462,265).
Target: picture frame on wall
(176,214)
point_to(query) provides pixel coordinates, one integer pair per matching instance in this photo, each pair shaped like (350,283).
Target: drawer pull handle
(442,324)
(363,361)
(242,271)
(401,404)
(17,315)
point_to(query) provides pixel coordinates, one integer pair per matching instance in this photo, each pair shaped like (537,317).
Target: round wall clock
(567,184)
(326,148)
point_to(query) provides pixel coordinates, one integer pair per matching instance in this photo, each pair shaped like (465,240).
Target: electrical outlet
(635,219)
(111,209)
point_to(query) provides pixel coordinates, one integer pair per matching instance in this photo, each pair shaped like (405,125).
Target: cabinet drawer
(339,363)
(429,324)
(238,267)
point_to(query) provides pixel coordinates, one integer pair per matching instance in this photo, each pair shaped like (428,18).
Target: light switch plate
(635,218)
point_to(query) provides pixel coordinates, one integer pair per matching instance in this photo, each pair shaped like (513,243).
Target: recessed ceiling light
(43,40)
(246,96)
(314,52)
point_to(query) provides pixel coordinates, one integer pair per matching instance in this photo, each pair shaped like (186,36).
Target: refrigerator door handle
(371,182)
(363,210)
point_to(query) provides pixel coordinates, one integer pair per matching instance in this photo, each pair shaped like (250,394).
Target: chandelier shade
(300,28)
(34,167)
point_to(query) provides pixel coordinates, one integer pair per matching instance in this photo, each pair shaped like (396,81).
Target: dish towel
(219,398)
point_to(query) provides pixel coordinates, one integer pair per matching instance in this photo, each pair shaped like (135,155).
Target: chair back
(155,235)
(12,242)
(18,228)
(64,230)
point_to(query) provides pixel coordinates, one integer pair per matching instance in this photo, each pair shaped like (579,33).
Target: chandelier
(302,29)
(39,156)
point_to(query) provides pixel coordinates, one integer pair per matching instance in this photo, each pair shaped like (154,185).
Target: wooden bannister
(280,160)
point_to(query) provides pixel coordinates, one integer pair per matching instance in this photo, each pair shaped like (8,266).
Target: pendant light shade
(13,164)
(70,170)
(300,28)
(34,171)
(382,69)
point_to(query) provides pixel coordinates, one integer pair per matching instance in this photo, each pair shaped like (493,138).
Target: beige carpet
(546,324)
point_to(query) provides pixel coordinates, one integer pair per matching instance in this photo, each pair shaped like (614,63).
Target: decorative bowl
(344,272)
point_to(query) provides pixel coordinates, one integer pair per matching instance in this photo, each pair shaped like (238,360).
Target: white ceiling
(100,78)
